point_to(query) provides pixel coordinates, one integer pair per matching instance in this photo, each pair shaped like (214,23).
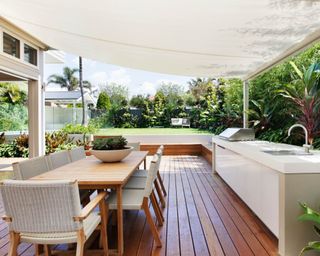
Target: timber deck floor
(203,217)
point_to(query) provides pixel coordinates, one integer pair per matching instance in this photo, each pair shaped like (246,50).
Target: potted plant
(111,149)
(78,132)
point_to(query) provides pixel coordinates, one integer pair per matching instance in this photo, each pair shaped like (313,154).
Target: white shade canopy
(228,38)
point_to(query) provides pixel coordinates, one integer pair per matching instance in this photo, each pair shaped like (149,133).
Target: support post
(36,114)
(245,104)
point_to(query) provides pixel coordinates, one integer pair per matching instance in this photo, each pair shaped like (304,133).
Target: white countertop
(282,163)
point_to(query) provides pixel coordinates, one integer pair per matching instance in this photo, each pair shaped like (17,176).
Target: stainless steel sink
(286,152)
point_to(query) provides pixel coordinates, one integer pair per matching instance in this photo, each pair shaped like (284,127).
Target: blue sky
(137,81)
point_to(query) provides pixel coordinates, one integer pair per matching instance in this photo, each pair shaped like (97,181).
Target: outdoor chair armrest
(90,206)
(7,218)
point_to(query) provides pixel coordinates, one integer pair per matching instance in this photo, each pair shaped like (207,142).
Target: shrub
(115,143)
(79,129)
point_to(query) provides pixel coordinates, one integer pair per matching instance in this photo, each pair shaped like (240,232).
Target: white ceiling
(229,38)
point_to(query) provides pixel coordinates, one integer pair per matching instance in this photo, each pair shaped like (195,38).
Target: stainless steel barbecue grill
(237,134)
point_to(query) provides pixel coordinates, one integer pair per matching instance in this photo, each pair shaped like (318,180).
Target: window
(11,45)
(30,54)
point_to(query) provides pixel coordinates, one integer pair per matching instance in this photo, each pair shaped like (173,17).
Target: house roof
(194,38)
(67,96)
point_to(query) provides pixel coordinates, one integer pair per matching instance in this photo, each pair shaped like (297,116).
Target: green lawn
(150,131)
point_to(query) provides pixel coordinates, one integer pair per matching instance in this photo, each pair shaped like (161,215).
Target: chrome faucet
(306,146)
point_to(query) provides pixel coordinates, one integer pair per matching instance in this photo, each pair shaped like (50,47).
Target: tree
(143,104)
(117,93)
(103,101)
(198,86)
(68,79)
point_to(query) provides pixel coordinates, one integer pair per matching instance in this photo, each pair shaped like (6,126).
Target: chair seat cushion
(136,183)
(140,173)
(131,199)
(89,225)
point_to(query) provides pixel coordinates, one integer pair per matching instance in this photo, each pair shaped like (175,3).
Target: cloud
(99,78)
(120,76)
(148,88)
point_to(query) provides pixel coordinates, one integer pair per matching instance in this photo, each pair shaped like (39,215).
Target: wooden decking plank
(249,236)
(186,242)
(230,238)
(173,241)
(199,240)
(209,231)
(268,240)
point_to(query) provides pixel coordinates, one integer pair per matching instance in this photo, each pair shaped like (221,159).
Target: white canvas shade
(229,38)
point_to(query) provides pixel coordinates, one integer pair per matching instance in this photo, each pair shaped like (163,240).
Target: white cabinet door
(255,184)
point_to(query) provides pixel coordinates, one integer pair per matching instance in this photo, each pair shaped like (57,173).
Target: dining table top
(91,172)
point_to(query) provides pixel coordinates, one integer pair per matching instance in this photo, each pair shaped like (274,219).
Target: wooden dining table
(93,174)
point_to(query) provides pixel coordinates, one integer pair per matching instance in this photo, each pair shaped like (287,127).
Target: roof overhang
(193,38)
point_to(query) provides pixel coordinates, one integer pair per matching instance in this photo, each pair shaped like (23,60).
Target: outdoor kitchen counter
(272,186)
(282,163)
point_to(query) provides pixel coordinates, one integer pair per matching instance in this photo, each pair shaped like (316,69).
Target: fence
(57,117)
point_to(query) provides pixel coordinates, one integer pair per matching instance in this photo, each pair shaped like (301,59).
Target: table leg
(145,164)
(120,220)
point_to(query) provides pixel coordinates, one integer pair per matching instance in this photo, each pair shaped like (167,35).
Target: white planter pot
(109,156)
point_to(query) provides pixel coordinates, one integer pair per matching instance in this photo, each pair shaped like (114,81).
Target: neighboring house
(64,98)
(61,108)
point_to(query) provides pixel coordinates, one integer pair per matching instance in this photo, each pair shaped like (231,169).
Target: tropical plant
(305,93)
(313,216)
(16,148)
(261,114)
(55,140)
(13,117)
(12,94)
(114,143)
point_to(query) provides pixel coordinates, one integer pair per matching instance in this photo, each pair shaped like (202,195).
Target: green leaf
(309,214)
(312,246)
(298,71)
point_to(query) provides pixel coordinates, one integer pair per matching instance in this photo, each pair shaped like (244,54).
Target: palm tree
(68,79)
(12,94)
(81,89)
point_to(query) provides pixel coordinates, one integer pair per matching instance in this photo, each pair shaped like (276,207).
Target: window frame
(14,37)
(22,42)
(33,48)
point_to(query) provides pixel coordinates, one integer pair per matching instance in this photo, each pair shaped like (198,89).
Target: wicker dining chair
(138,199)
(135,145)
(49,212)
(31,167)
(77,153)
(58,159)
